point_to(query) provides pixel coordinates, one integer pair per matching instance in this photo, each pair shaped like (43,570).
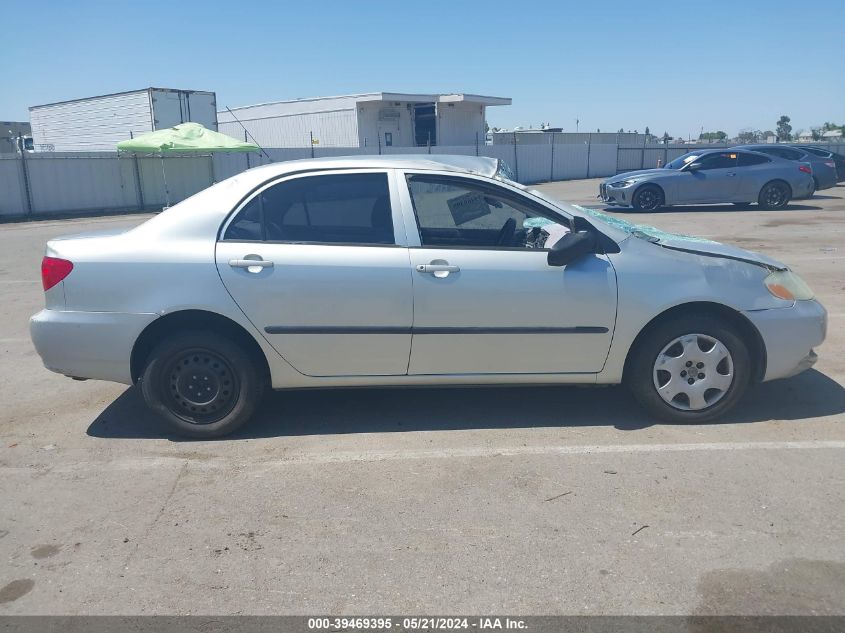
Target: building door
(425,124)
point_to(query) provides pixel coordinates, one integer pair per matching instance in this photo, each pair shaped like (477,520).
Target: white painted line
(341,457)
(375,456)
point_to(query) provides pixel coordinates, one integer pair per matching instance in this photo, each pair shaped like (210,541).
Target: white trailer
(99,123)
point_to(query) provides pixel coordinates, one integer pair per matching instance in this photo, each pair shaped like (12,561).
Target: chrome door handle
(437,268)
(250,263)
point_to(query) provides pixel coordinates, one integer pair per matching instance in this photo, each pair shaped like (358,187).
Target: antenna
(250,135)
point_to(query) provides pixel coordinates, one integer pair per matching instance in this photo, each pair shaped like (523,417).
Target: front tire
(774,195)
(648,198)
(203,384)
(689,369)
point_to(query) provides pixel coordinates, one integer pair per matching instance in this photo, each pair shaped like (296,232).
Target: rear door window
(749,160)
(720,160)
(325,209)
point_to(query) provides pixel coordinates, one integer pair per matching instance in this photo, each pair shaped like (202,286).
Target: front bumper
(789,335)
(616,196)
(88,344)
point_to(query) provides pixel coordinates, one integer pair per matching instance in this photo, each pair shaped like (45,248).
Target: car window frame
(752,154)
(497,187)
(396,215)
(705,157)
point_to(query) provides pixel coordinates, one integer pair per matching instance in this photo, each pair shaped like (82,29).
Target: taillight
(54,270)
(805,169)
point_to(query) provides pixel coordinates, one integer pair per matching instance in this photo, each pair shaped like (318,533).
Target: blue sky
(671,65)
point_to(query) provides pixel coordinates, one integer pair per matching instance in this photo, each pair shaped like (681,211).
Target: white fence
(57,183)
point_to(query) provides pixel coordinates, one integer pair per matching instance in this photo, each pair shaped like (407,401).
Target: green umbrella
(181,139)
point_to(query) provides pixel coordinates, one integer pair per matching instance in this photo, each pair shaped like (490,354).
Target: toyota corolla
(377,270)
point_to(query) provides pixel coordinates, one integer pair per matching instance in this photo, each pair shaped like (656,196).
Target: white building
(379,118)
(805,136)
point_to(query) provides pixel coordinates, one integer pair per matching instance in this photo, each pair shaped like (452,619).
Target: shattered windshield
(642,231)
(504,172)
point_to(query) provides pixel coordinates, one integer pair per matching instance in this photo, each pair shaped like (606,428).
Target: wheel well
(746,329)
(193,320)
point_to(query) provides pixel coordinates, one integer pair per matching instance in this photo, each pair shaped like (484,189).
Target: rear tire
(774,195)
(648,198)
(719,379)
(203,384)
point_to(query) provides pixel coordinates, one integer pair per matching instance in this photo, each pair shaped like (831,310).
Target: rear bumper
(790,334)
(88,344)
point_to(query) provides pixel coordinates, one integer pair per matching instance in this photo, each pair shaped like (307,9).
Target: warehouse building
(99,123)
(387,119)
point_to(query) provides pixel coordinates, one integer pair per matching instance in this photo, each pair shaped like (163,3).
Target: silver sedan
(712,176)
(369,271)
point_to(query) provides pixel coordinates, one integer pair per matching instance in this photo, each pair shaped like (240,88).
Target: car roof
(748,149)
(480,165)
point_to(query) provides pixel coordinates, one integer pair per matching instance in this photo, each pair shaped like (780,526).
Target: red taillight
(54,270)
(805,169)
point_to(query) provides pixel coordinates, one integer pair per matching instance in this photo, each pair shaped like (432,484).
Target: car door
(314,261)
(714,180)
(753,171)
(485,299)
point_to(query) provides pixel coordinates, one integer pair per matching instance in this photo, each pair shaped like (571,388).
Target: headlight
(622,183)
(785,284)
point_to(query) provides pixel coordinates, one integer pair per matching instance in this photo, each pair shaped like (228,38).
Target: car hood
(685,243)
(697,246)
(640,172)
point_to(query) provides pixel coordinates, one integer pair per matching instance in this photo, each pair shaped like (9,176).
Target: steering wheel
(506,233)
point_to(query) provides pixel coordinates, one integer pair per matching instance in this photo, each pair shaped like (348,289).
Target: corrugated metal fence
(53,183)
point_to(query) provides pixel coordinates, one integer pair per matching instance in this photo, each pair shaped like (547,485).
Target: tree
(712,136)
(750,136)
(621,131)
(647,131)
(666,138)
(784,129)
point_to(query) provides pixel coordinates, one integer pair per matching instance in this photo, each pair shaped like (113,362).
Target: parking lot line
(339,457)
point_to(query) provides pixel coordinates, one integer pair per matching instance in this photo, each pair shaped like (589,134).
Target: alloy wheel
(774,195)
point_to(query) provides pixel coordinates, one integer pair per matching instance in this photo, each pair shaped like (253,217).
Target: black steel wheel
(203,384)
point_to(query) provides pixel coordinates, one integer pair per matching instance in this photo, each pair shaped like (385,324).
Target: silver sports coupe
(735,176)
(409,270)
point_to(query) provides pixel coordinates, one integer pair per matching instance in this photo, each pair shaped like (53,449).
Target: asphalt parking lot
(524,501)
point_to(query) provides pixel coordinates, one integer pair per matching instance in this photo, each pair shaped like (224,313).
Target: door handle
(252,265)
(438,270)
(730,173)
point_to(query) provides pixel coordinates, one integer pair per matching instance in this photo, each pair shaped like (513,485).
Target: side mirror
(570,247)
(693,166)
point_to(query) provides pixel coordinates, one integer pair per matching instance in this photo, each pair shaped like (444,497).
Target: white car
(392,270)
